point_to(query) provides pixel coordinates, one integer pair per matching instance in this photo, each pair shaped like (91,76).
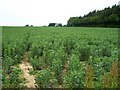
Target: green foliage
(84,53)
(37,63)
(68,46)
(43,78)
(74,63)
(13,80)
(60,55)
(37,51)
(57,67)
(7,63)
(74,79)
(108,17)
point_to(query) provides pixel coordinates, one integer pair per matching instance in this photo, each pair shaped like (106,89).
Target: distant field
(61,57)
(45,31)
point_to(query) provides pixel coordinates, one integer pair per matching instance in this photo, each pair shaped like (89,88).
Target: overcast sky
(42,12)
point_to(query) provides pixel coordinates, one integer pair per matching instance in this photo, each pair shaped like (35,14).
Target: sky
(43,12)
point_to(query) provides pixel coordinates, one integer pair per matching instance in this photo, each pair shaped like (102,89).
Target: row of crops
(63,57)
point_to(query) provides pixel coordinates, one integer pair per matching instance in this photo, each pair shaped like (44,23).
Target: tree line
(108,17)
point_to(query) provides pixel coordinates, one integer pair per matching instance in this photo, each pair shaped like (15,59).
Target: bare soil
(25,67)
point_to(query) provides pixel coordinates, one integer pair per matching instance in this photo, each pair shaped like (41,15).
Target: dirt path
(30,79)
(25,67)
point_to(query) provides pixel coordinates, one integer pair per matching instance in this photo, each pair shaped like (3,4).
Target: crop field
(59,57)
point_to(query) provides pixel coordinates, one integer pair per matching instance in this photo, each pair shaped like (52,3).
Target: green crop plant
(60,55)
